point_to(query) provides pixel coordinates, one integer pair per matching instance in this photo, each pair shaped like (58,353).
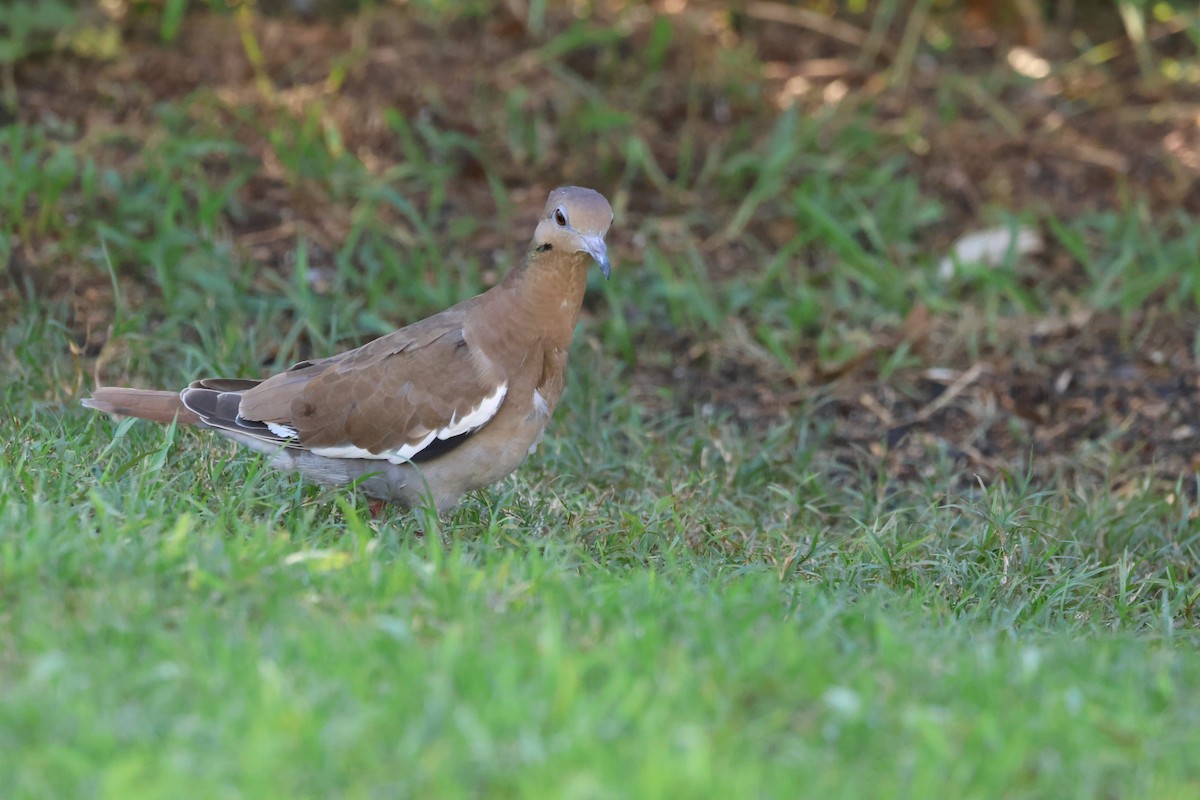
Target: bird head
(575,220)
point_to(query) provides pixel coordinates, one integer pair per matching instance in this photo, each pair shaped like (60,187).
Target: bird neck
(549,287)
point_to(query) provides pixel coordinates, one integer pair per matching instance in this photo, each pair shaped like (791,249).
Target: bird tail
(150,404)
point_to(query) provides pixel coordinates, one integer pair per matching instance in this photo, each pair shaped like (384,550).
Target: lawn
(832,507)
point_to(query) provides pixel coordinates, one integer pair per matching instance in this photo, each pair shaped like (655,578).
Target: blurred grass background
(877,461)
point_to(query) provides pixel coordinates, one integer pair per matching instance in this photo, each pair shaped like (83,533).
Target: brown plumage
(438,408)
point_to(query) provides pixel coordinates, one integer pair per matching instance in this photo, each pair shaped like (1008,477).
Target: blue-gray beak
(594,246)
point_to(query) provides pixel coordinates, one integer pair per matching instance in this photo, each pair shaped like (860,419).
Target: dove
(425,414)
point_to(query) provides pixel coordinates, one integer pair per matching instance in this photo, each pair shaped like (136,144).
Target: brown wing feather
(388,393)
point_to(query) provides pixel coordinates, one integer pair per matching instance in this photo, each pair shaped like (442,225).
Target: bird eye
(560,218)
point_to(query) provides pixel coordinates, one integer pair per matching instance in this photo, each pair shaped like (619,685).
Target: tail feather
(158,406)
(221,409)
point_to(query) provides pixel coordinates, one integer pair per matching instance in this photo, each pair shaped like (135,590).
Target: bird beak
(594,246)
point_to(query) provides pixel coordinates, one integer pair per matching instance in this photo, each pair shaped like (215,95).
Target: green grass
(667,600)
(663,609)
(178,621)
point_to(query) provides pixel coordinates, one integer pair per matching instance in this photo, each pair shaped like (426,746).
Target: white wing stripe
(282,431)
(486,409)
(475,418)
(407,451)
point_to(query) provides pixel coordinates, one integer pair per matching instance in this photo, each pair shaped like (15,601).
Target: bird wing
(415,392)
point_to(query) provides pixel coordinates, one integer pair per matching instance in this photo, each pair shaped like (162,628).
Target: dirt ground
(1081,394)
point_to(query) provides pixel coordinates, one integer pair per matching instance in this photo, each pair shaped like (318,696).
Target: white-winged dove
(436,409)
